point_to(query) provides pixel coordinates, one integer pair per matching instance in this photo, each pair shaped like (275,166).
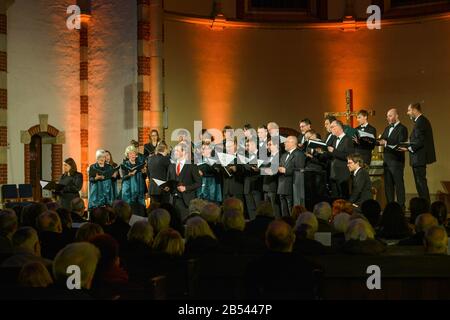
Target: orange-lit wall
(285,75)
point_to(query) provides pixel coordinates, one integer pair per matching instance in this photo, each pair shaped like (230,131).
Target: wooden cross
(349,113)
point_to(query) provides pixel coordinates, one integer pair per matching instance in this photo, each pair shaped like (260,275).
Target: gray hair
(341,222)
(82,254)
(100,153)
(129,149)
(309,219)
(359,229)
(141,231)
(159,219)
(322,210)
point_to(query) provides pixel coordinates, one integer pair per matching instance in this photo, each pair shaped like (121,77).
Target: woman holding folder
(101,191)
(133,181)
(72,181)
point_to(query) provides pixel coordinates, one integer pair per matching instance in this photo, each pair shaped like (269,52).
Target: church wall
(43,77)
(237,76)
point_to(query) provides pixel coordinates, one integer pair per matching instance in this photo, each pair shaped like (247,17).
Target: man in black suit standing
(362,186)
(394,160)
(339,151)
(234,174)
(188,177)
(270,178)
(362,146)
(421,151)
(157,166)
(293,159)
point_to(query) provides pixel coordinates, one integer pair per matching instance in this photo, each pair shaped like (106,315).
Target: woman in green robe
(101,191)
(133,183)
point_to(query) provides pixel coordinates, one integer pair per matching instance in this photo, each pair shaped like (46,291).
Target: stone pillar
(3,94)
(84,92)
(144,70)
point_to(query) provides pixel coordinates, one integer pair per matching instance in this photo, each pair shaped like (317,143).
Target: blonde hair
(197,227)
(169,241)
(233,219)
(359,229)
(159,219)
(129,149)
(141,231)
(34,275)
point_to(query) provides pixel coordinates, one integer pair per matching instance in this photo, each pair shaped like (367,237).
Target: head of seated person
(27,239)
(211,213)
(341,222)
(141,232)
(159,220)
(122,211)
(49,221)
(436,241)
(82,254)
(296,211)
(197,227)
(196,206)
(322,211)
(88,231)
(280,236)
(8,223)
(359,229)
(425,221)
(233,204)
(371,209)
(102,216)
(265,209)
(34,275)
(233,219)
(306,225)
(169,242)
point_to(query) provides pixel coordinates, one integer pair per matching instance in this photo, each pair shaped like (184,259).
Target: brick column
(144,70)
(57,161)
(3,95)
(84,92)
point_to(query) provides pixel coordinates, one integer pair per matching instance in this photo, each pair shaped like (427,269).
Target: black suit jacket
(339,170)
(399,134)
(253,180)
(234,185)
(366,148)
(422,143)
(270,182)
(189,177)
(361,187)
(296,161)
(157,166)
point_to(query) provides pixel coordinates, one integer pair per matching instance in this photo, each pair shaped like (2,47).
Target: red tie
(178,168)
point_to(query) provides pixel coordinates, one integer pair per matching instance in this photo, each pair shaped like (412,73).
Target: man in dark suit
(362,186)
(421,151)
(364,147)
(188,177)
(339,151)
(394,160)
(269,171)
(252,180)
(157,166)
(233,175)
(293,159)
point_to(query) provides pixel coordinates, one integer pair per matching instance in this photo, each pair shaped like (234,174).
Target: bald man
(293,159)
(394,160)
